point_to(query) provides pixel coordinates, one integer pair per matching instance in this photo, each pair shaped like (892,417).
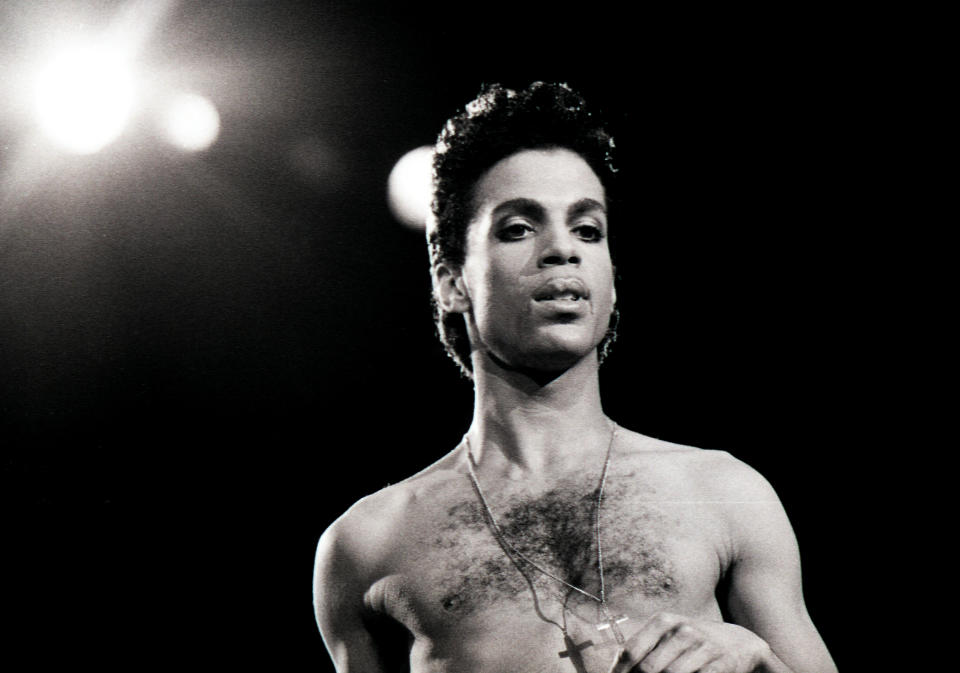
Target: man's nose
(559,248)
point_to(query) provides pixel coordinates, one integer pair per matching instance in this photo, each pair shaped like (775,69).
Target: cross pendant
(611,623)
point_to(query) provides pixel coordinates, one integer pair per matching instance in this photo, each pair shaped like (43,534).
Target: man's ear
(450,289)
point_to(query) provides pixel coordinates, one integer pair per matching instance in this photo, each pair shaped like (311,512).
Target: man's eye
(514,231)
(589,232)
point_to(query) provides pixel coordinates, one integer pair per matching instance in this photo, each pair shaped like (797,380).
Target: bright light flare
(191,122)
(409,187)
(84,98)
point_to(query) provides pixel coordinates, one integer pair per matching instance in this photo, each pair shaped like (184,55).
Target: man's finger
(694,660)
(641,643)
(672,645)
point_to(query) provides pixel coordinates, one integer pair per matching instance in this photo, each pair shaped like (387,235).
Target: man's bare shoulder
(716,474)
(371,526)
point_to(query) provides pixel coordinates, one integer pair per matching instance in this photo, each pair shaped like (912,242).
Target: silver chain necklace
(609,622)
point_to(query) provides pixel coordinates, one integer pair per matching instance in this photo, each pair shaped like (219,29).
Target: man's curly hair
(497,124)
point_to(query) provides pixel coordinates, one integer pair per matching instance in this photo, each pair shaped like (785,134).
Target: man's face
(537,270)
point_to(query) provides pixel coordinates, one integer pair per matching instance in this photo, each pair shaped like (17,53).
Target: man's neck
(526,425)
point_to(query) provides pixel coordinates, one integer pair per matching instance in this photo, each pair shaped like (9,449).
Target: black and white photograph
(369,337)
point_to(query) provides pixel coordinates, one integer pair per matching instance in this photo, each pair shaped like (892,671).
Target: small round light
(409,187)
(191,122)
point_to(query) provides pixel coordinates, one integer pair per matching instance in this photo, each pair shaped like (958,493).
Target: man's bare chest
(552,555)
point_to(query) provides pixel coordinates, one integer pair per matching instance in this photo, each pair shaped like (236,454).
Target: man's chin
(553,360)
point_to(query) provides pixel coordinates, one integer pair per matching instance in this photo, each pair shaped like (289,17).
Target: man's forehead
(533,208)
(554,178)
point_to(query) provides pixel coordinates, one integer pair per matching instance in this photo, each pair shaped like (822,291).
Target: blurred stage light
(84,97)
(191,122)
(409,187)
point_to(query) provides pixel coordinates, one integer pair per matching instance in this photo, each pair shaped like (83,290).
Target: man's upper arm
(338,591)
(766,594)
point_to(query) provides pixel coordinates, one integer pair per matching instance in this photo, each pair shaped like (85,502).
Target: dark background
(207,358)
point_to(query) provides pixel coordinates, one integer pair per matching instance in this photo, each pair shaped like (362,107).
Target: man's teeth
(569,296)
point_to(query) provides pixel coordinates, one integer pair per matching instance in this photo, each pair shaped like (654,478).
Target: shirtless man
(551,539)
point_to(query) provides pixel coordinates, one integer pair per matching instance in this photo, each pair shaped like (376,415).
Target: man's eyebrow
(585,206)
(526,207)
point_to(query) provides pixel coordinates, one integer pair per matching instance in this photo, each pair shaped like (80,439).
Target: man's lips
(561,289)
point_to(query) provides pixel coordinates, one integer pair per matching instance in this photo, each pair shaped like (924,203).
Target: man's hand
(670,643)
